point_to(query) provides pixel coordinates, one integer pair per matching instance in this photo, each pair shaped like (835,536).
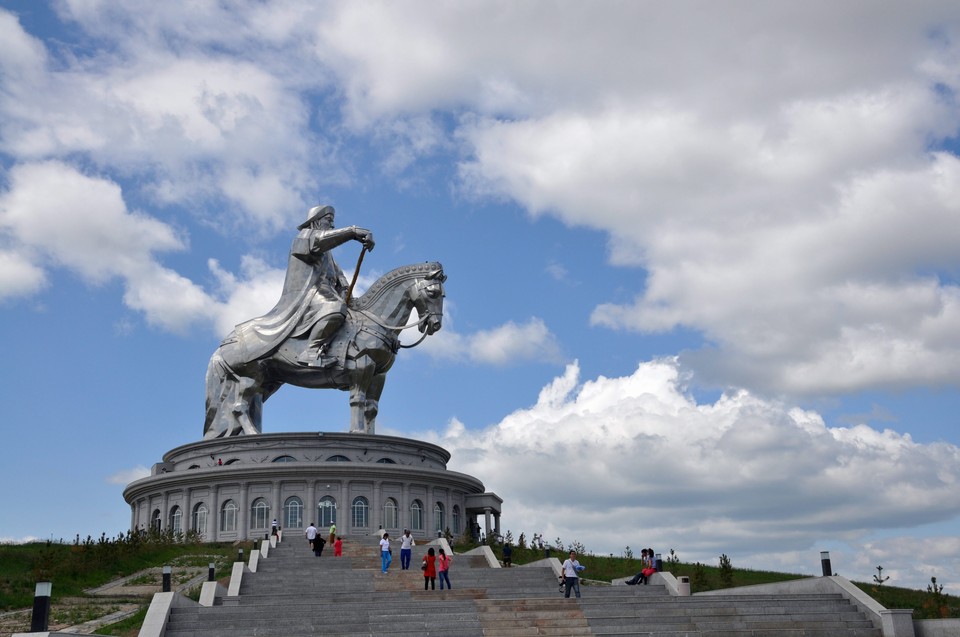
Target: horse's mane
(392,278)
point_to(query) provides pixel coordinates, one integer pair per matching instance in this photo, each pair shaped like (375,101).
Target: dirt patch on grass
(106,604)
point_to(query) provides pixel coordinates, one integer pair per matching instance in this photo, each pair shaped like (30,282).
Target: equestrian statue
(318,336)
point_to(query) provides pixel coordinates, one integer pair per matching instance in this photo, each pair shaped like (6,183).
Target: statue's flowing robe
(311,290)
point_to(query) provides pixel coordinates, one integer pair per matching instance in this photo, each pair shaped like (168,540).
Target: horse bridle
(398,328)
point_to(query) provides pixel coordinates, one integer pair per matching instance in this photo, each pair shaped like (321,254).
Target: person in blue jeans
(571,575)
(406,549)
(385,556)
(443,569)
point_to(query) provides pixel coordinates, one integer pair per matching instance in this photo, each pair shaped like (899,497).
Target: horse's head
(428,299)
(397,293)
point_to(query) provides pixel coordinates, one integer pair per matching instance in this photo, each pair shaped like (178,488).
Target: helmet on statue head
(315,213)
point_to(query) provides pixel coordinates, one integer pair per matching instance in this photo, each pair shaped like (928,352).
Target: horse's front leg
(248,408)
(359,386)
(373,402)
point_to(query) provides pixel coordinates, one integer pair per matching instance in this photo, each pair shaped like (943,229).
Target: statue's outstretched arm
(330,239)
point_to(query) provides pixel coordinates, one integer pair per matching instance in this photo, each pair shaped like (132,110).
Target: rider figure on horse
(312,301)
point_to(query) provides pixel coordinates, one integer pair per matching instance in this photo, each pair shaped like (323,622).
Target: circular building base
(234,488)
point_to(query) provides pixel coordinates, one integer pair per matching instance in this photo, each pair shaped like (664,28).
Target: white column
(276,507)
(310,507)
(448,512)
(164,503)
(242,526)
(345,510)
(376,508)
(214,516)
(187,511)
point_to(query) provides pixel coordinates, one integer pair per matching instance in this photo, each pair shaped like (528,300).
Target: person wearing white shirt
(571,577)
(385,556)
(406,549)
(311,534)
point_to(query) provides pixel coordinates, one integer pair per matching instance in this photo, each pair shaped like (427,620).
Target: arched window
(360,509)
(456,519)
(391,519)
(228,516)
(193,466)
(232,461)
(338,459)
(176,520)
(386,461)
(438,521)
(157,521)
(200,519)
(416,516)
(327,511)
(284,459)
(259,514)
(293,513)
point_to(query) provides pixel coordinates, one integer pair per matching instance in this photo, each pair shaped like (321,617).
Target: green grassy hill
(74,567)
(925,605)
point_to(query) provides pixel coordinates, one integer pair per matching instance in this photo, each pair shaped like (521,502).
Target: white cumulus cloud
(126,476)
(502,345)
(637,461)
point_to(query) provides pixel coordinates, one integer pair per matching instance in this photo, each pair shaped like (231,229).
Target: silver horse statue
(365,348)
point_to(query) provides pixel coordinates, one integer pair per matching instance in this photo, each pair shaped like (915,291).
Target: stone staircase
(295,593)
(817,615)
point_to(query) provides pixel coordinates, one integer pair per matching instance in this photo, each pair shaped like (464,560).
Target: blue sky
(703,267)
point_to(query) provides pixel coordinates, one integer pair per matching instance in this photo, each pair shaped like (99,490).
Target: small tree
(726,571)
(558,544)
(673,561)
(628,553)
(879,579)
(699,577)
(936,604)
(522,542)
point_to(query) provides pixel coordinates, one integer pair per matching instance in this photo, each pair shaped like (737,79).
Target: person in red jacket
(430,570)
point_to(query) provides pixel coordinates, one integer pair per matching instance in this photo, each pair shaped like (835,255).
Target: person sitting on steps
(646,568)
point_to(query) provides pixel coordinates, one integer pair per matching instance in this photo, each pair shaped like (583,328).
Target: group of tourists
(316,541)
(571,568)
(436,563)
(433,565)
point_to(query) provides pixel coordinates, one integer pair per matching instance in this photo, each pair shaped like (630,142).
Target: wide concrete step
(808,616)
(295,593)
(644,631)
